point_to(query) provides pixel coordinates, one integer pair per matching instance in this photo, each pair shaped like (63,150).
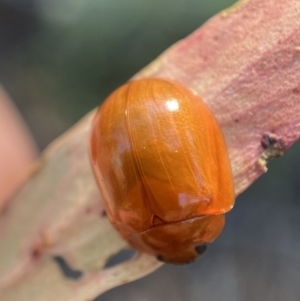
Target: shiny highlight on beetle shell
(162,167)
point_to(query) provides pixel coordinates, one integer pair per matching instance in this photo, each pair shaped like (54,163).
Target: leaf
(245,64)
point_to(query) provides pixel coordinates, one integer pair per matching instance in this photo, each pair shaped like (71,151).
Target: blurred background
(59,59)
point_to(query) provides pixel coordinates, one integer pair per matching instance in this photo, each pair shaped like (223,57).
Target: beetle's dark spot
(66,269)
(103,213)
(201,249)
(160,258)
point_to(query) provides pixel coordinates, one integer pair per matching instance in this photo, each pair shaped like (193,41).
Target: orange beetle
(162,167)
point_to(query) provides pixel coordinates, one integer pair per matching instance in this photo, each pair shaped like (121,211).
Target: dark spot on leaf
(36,253)
(273,145)
(4,209)
(88,210)
(122,256)
(66,269)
